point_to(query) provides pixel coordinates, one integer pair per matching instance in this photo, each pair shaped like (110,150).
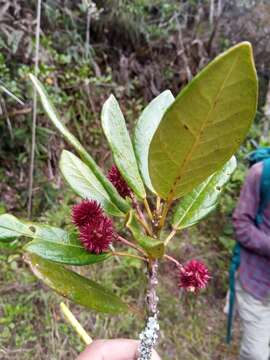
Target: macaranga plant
(179,159)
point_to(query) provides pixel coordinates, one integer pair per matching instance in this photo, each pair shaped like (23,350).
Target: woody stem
(149,336)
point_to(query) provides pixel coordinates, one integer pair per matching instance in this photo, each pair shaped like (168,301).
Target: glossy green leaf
(11,228)
(206,123)
(146,127)
(194,206)
(49,242)
(116,132)
(58,245)
(75,287)
(71,139)
(153,247)
(84,182)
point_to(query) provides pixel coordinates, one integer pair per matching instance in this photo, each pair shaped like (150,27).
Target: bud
(119,182)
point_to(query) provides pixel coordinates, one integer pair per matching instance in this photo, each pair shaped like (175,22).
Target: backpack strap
(264,191)
(235,261)
(260,154)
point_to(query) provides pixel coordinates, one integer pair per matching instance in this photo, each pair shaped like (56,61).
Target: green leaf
(205,125)
(75,287)
(196,205)
(145,128)
(71,139)
(49,242)
(11,245)
(60,246)
(114,127)
(84,182)
(11,227)
(154,248)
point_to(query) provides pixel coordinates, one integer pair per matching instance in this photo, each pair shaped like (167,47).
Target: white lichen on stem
(151,296)
(149,335)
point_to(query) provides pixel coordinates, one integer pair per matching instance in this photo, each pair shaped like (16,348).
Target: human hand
(117,349)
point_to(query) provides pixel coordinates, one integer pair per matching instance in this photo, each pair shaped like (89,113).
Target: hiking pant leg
(255,319)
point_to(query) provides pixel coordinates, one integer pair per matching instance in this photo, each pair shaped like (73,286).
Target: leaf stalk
(147,207)
(170,236)
(130,244)
(116,253)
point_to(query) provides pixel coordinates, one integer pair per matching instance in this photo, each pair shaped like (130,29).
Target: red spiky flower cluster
(85,212)
(119,182)
(194,276)
(96,229)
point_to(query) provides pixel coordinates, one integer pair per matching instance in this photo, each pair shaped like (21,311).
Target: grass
(192,326)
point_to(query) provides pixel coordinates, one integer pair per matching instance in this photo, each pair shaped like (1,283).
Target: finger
(117,349)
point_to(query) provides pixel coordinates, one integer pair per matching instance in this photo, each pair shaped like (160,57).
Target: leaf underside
(205,125)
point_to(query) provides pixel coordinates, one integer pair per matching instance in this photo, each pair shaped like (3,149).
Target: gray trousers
(255,321)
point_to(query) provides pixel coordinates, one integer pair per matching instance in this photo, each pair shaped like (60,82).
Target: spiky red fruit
(119,182)
(97,235)
(194,276)
(85,212)
(96,230)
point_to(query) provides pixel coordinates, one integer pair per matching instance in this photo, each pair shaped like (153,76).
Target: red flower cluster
(96,229)
(85,212)
(194,276)
(119,182)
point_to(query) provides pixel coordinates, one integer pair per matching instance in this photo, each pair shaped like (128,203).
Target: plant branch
(149,335)
(152,298)
(34,121)
(87,41)
(116,253)
(130,244)
(177,263)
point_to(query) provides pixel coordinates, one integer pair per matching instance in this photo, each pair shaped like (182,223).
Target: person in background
(117,349)
(252,287)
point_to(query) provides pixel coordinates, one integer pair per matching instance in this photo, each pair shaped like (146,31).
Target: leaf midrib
(59,243)
(17,231)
